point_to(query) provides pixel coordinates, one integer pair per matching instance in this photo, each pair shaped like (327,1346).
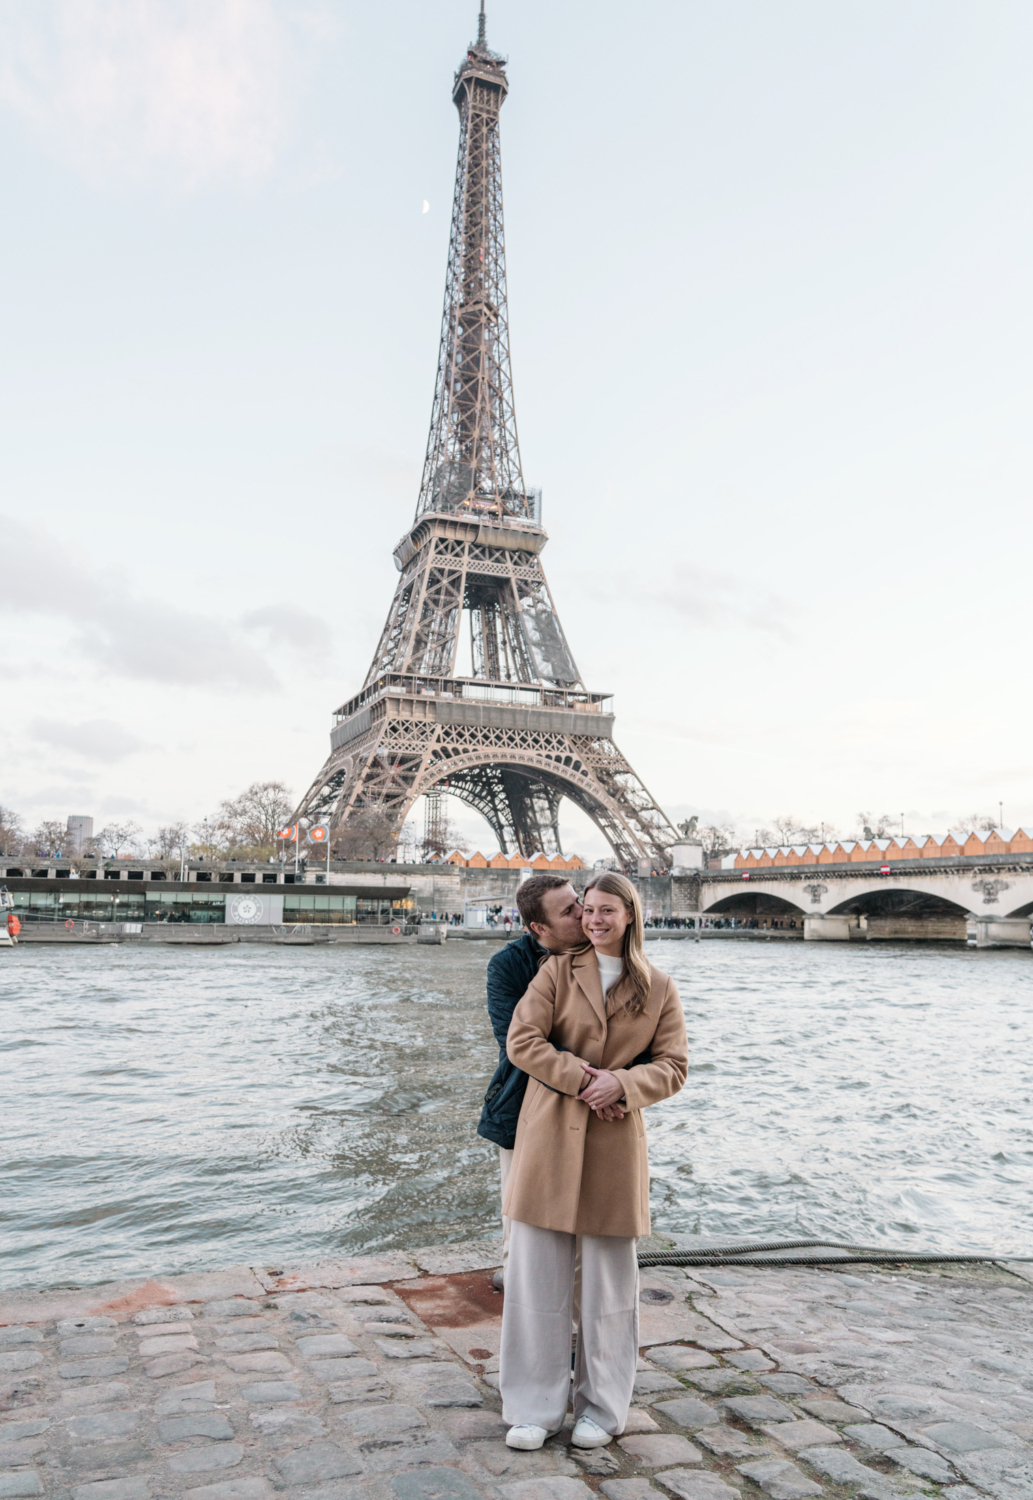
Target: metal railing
(530,694)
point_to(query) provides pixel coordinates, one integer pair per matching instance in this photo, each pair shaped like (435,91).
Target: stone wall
(661,894)
(928,928)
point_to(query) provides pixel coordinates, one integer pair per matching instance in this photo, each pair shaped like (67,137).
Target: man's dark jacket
(510,972)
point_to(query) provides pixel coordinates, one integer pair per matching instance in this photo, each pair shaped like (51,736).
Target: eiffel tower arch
(521,732)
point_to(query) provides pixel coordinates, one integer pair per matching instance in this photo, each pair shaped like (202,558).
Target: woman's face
(605,919)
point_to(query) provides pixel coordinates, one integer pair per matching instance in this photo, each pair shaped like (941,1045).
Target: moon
(426,206)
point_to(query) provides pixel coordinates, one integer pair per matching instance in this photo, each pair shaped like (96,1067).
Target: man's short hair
(529,897)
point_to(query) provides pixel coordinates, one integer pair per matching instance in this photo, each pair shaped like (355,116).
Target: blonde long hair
(635,980)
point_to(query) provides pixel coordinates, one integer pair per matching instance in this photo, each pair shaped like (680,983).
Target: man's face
(562,926)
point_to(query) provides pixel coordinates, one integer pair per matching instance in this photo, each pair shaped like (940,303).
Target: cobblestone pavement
(377,1379)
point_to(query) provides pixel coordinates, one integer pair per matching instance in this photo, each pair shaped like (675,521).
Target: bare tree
(49,838)
(246,825)
(788,828)
(367,835)
(410,844)
(449,841)
(791,831)
(209,840)
(875,827)
(716,838)
(169,840)
(975,823)
(119,838)
(12,832)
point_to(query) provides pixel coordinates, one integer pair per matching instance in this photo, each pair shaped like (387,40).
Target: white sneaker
(527,1436)
(588,1434)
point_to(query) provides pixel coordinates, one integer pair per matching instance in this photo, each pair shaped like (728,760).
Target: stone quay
(376,1378)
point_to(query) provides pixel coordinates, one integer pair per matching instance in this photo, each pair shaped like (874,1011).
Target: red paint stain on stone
(460,1301)
(151,1294)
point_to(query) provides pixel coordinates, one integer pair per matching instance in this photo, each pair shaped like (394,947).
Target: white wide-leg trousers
(534,1371)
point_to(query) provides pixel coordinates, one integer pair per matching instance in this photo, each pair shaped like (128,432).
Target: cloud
(705,598)
(285,625)
(95,739)
(133,637)
(679,729)
(702,596)
(709,817)
(74,795)
(123,805)
(196,91)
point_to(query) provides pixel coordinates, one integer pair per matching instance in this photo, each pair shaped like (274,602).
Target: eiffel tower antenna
(517,731)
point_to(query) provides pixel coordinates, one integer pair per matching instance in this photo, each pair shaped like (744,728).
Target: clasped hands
(601,1092)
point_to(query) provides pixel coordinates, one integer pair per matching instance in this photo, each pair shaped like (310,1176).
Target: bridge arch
(519,797)
(905,915)
(762,907)
(897,900)
(745,900)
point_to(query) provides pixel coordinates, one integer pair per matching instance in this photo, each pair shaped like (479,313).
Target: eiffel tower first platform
(521,732)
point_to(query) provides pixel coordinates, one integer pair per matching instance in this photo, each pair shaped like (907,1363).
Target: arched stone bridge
(987,900)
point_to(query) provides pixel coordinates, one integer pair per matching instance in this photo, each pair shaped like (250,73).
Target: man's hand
(601,1088)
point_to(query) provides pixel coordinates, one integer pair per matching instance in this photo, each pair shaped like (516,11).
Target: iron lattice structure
(520,732)
(473,458)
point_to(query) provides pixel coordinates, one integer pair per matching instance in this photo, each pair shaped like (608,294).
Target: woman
(580,1170)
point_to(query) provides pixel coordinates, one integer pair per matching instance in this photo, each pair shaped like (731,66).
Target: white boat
(7,938)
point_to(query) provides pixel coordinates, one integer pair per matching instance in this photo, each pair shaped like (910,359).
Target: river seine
(170,1108)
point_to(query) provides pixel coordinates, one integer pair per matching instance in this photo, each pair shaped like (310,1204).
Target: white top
(609,971)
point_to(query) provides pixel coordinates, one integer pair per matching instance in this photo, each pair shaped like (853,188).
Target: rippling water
(166,1108)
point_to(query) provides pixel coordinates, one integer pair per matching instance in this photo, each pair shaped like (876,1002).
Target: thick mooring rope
(842,1254)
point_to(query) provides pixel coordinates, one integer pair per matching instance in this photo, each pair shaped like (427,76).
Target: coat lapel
(586,972)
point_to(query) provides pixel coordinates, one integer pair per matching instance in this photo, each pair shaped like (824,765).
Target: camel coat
(572,1171)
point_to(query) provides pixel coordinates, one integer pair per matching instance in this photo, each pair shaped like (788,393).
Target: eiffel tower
(521,732)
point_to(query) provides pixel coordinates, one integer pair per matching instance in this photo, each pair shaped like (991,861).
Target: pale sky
(769,273)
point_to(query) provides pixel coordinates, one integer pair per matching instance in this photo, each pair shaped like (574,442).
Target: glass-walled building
(102,901)
(311,907)
(75,903)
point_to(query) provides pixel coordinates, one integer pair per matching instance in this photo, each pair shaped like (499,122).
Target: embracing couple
(589,1034)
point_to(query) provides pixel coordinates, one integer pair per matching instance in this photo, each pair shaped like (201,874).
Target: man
(551,914)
